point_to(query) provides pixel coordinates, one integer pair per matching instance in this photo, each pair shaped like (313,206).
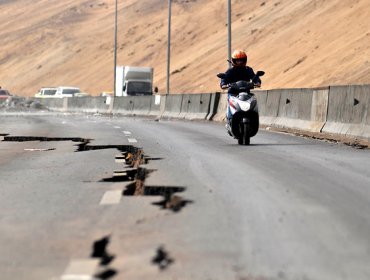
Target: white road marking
(127,132)
(119,173)
(120,159)
(39,150)
(117,127)
(111,197)
(132,140)
(81,269)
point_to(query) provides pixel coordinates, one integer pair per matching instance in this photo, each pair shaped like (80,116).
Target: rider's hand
(225,86)
(258,85)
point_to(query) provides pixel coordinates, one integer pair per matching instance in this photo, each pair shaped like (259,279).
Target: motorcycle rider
(238,72)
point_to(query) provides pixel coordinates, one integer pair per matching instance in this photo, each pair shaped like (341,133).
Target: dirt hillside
(305,43)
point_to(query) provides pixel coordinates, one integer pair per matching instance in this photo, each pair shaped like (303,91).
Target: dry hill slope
(304,43)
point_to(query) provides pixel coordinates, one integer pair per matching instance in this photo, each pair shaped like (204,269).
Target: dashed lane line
(111,197)
(127,132)
(120,159)
(132,140)
(81,269)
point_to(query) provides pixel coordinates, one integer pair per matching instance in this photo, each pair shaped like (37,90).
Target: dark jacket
(236,74)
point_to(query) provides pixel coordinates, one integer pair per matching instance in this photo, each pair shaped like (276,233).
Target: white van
(46,92)
(67,92)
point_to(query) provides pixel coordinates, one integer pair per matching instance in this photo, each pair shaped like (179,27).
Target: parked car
(47,92)
(4,94)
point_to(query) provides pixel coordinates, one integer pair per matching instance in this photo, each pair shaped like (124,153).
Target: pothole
(162,259)
(147,159)
(122,176)
(107,274)
(100,251)
(166,192)
(173,202)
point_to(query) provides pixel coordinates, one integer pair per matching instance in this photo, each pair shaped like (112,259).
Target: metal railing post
(169,46)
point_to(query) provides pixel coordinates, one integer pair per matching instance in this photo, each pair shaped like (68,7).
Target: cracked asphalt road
(283,208)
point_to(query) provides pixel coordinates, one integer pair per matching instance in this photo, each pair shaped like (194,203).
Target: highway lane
(283,208)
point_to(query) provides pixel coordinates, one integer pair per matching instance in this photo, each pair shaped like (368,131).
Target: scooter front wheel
(244,138)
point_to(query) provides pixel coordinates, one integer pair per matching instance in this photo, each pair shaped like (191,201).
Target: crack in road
(43,139)
(133,157)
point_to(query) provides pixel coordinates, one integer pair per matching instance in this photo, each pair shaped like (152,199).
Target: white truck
(133,81)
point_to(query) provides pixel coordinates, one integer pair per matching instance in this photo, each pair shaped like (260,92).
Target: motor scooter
(244,123)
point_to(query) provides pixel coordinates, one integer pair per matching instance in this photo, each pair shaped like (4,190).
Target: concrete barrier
(173,106)
(123,105)
(220,115)
(155,105)
(185,104)
(269,109)
(55,104)
(133,105)
(195,106)
(162,106)
(339,110)
(215,99)
(301,109)
(348,111)
(319,108)
(295,109)
(142,105)
(261,96)
(87,104)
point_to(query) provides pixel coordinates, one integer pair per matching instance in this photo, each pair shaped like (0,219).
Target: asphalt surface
(284,207)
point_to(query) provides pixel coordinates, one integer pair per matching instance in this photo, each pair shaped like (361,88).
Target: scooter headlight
(244,105)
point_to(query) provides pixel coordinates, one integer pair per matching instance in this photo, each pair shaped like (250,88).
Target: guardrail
(341,110)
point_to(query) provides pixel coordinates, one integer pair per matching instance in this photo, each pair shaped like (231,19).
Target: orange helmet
(239,58)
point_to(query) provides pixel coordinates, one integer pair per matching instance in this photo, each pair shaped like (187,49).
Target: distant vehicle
(133,81)
(4,94)
(67,92)
(47,92)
